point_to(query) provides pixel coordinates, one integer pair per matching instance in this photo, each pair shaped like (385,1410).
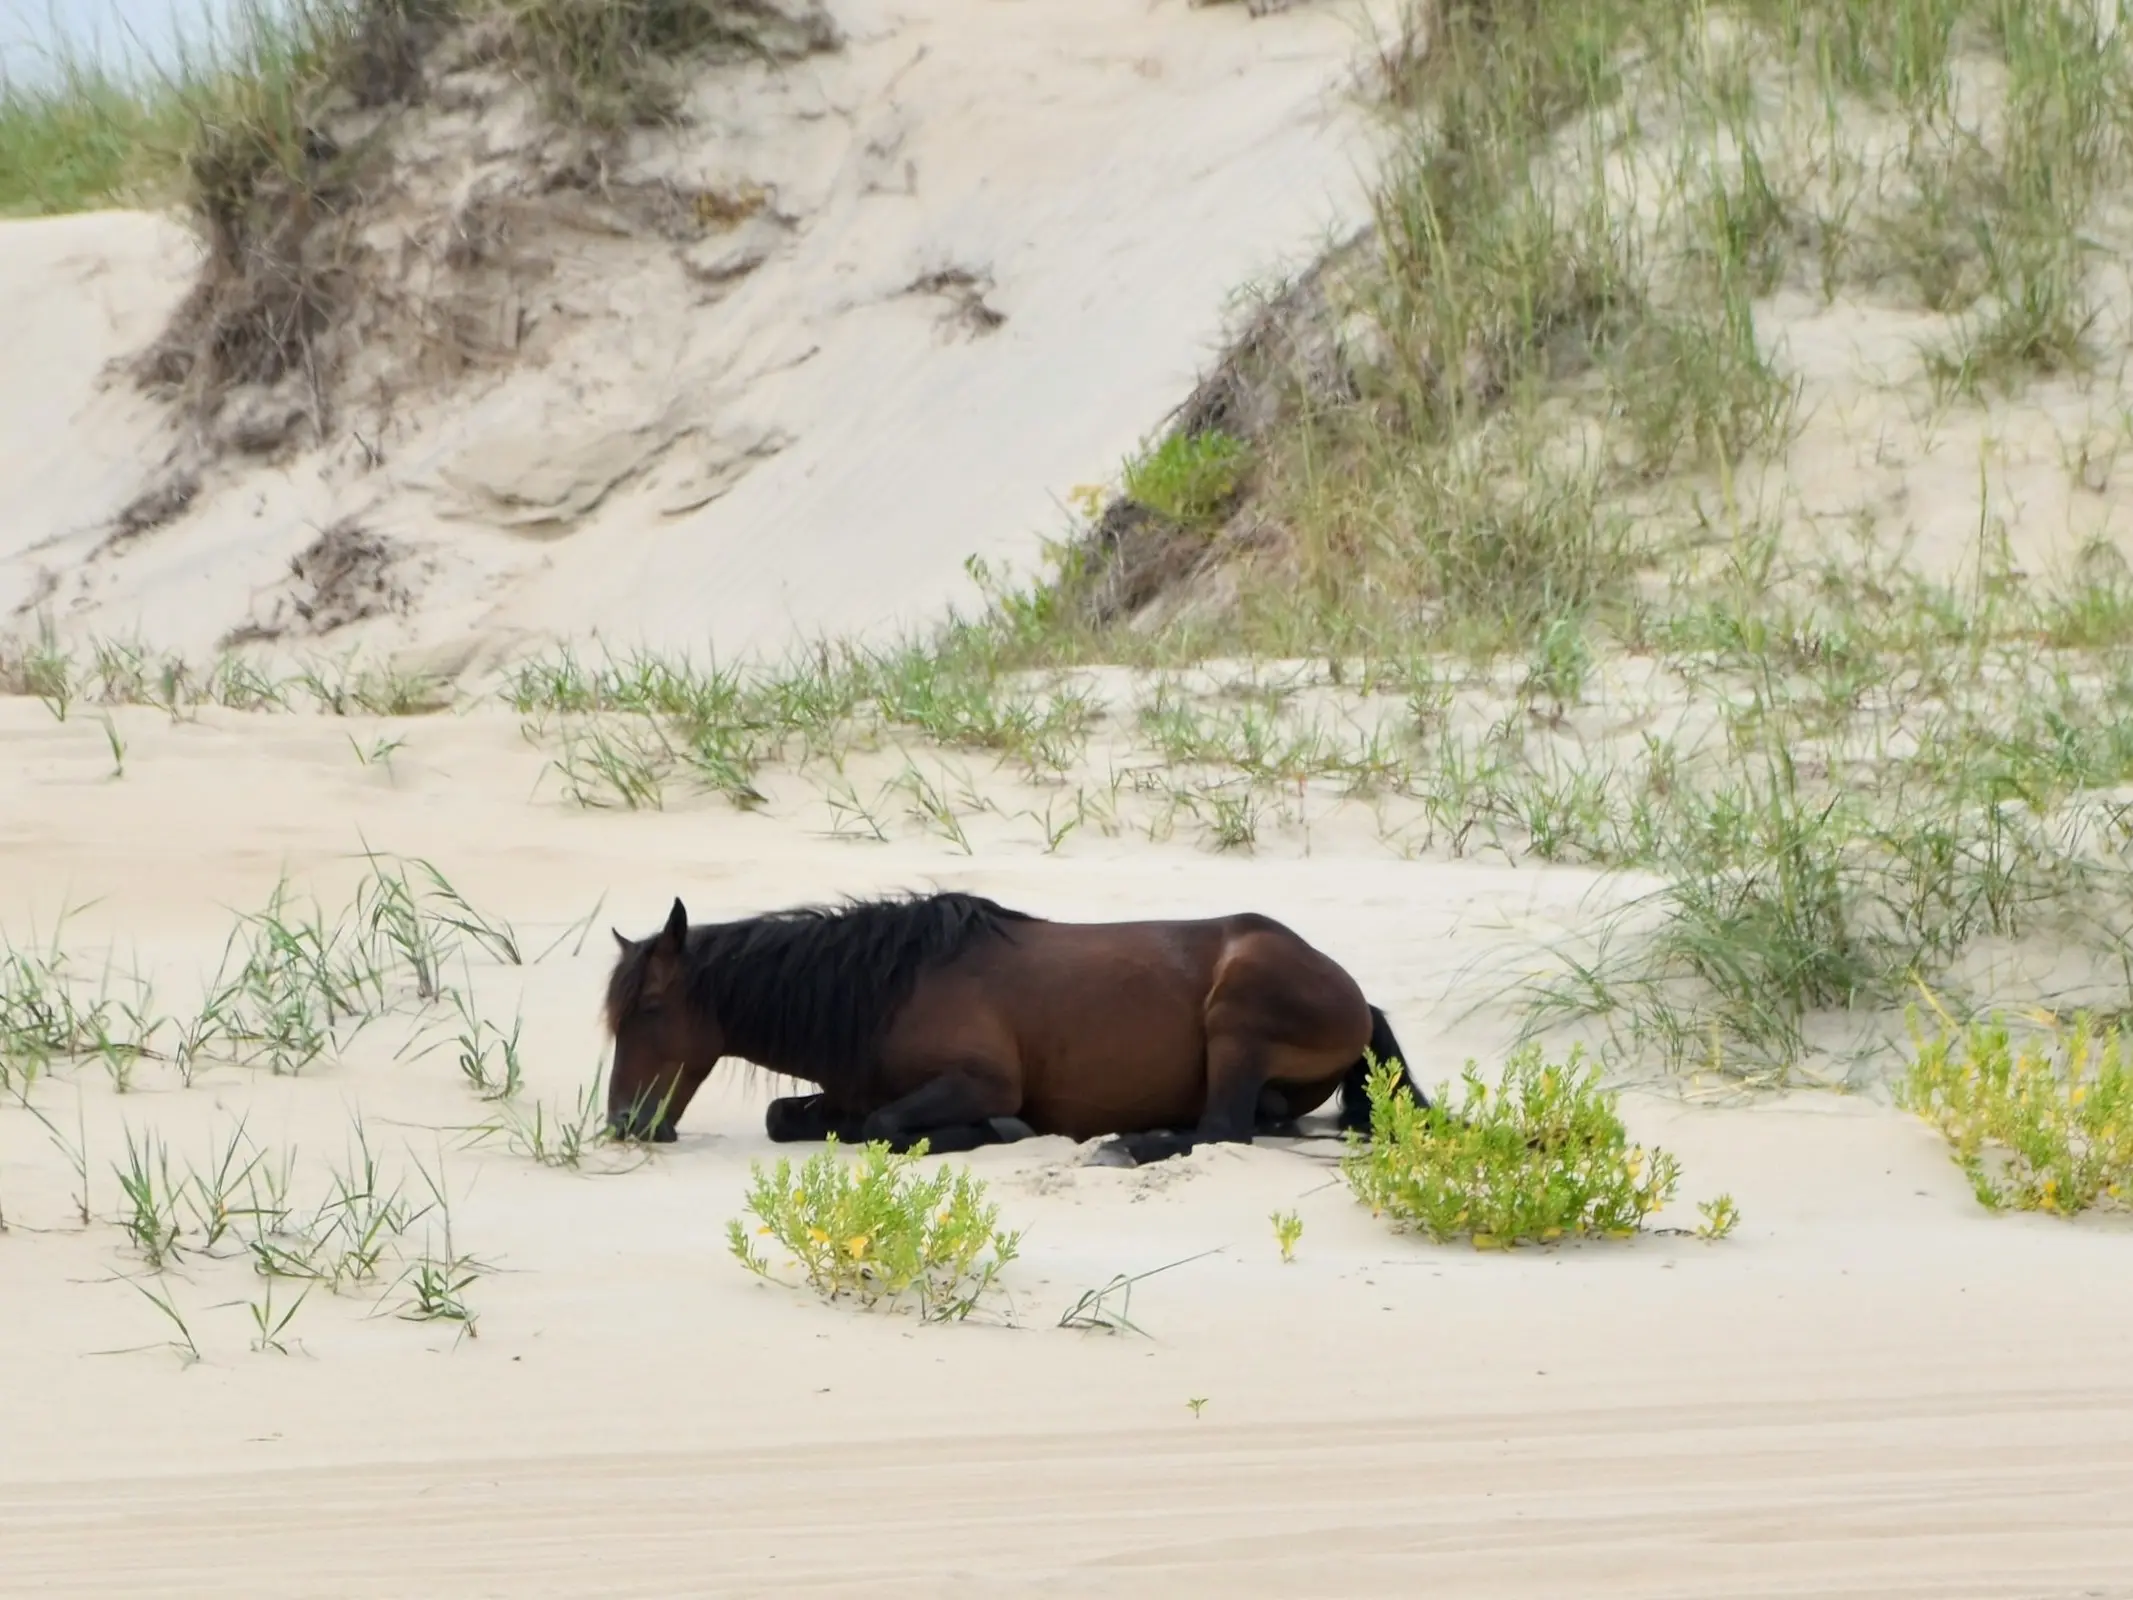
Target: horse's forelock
(625,984)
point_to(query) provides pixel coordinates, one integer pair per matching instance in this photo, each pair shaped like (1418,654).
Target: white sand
(1874,1388)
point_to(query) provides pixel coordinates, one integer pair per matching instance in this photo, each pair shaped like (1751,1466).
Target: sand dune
(983,250)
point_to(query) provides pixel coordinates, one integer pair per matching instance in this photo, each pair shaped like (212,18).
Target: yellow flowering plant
(2040,1124)
(876,1230)
(1543,1156)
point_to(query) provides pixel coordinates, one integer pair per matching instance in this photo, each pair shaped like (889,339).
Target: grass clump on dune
(87,138)
(1192,480)
(608,63)
(874,1230)
(1543,1156)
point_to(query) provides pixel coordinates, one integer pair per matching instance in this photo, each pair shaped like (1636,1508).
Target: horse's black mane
(811,990)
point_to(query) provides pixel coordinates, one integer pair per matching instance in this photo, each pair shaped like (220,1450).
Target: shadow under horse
(950,1018)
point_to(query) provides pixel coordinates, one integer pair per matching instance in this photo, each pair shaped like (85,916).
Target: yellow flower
(856,1245)
(818,1236)
(762,1230)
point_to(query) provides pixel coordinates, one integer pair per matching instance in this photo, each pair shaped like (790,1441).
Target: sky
(120,31)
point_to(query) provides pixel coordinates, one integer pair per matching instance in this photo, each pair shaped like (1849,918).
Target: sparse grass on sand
(295,987)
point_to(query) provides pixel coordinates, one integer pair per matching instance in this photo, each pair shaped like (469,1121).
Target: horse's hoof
(1111,1153)
(1010,1130)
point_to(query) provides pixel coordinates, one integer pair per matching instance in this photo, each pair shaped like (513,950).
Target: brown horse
(950,1018)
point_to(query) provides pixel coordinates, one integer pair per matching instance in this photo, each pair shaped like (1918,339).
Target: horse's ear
(621,939)
(677,931)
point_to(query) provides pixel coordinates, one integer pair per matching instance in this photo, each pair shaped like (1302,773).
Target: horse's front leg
(807,1119)
(958,1108)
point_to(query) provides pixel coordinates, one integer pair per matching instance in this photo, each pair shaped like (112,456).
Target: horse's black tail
(1355,1100)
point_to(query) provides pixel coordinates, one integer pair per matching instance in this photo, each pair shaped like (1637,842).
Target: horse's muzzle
(632,1131)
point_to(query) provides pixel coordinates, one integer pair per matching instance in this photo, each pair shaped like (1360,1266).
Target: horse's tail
(1355,1099)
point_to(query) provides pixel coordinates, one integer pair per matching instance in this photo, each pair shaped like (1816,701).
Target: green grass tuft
(1191,479)
(1542,1157)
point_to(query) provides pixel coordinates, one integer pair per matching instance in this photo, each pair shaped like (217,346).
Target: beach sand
(1873,1388)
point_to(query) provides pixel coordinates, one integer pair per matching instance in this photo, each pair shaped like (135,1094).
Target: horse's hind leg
(1274,1115)
(1236,1081)
(1271,1021)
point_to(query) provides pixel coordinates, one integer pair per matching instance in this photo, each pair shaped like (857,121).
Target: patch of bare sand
(1872,1389)
(78,296)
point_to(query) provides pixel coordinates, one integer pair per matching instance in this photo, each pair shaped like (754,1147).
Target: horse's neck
(752,1038)
(757,1054)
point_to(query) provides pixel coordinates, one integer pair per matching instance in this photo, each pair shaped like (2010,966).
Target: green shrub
(875,1230)
(1541,1157)
(2044,1125)
(1191,479)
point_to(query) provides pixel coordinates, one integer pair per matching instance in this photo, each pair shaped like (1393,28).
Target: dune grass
(86,139)
(228,103)
(1563,452)
(296,986)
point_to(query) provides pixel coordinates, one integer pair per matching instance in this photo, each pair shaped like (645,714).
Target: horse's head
(664,1046)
